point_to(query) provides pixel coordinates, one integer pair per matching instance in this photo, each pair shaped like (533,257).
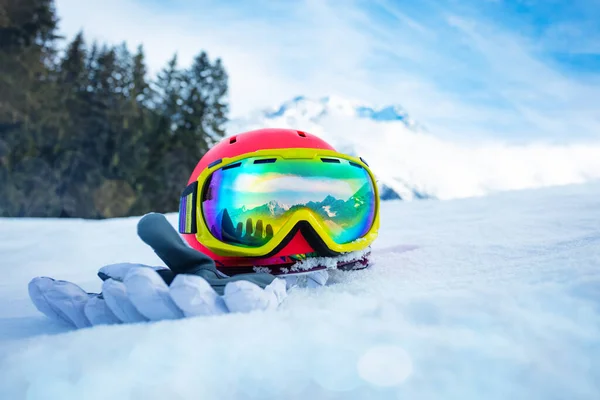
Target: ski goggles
(251,205)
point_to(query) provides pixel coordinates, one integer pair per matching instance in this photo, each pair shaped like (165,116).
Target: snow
(500,299)
(413,163)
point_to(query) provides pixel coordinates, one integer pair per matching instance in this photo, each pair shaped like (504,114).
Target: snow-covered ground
(413,162)
(501,300)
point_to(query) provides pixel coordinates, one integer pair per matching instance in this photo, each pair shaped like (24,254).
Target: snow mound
(501,299)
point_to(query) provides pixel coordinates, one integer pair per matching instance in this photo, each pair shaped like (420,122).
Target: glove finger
(98,313)
(37,289)
(115,295)
(60,300)
(195,296)
(291,280)
(279,288)
(317,278)
(307,280)
(245,296)
(119,271)
(150,295)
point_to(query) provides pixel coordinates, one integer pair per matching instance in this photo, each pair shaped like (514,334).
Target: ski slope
(501,300)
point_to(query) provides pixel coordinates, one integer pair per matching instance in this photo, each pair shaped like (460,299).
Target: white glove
(310,280)
(137,293)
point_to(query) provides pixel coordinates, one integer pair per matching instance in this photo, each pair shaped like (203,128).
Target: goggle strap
(187,209)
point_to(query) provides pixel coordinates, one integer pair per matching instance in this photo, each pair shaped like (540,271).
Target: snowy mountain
(276,208)
(313,114)
(235,222)
(272,208)
(412,163)
(499,300)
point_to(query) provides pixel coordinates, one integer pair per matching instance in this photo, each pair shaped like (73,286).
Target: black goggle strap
(187,209)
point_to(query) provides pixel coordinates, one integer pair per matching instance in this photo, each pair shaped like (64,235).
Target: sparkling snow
(500,300)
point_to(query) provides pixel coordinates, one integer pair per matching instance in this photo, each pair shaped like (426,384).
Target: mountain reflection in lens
(249,204)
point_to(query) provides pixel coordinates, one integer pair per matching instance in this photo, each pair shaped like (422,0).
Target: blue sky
(515,70)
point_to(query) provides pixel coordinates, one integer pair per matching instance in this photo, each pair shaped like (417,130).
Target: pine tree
(72,161)
(88,134)
(27,49)
(163,179)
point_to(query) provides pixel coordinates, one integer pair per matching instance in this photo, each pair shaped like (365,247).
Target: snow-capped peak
(337,120)
(276,208)
(411,163)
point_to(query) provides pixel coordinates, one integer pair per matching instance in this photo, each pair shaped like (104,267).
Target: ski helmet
(211,217)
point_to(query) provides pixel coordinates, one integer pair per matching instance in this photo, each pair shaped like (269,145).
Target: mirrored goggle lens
(248,202)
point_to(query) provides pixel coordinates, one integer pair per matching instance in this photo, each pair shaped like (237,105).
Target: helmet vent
(300,133)
(265,161)
(232,140)
(230,166)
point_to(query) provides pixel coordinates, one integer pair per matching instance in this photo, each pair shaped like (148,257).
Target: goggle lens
(248,202)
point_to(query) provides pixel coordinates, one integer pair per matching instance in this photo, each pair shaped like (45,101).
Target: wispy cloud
(469,70)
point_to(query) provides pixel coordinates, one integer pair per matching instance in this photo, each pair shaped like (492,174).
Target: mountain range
(411,163)
(313,115)
(244,221)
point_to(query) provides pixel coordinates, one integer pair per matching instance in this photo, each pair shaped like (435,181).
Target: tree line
(85,132)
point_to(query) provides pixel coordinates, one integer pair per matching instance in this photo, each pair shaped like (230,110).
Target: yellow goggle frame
(193,221)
